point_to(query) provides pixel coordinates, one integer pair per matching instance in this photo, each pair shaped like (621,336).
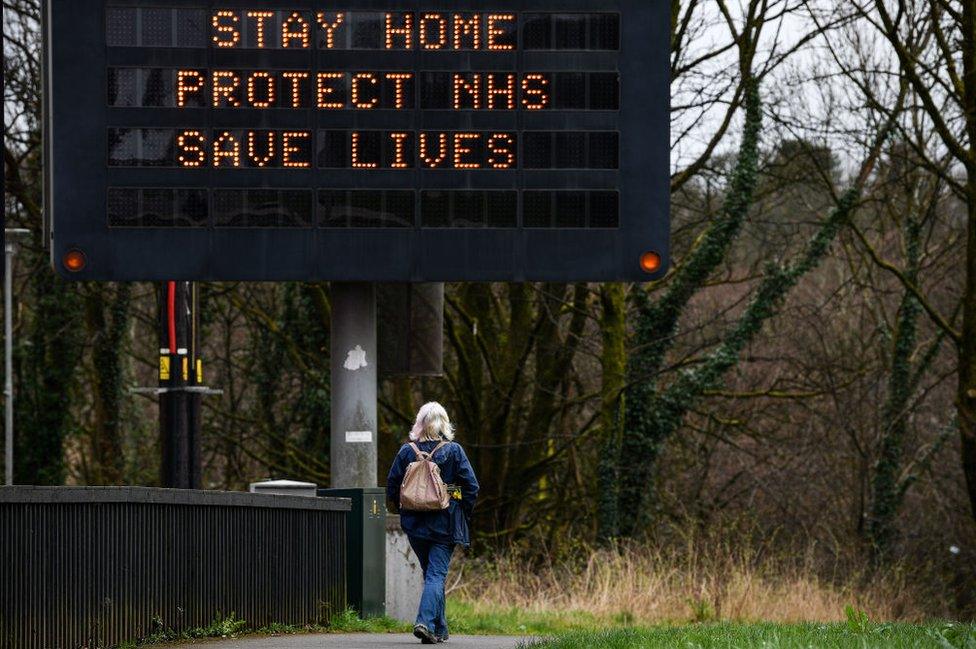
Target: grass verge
(643,586)
(583,630)
(771,636)
(232,627)
(471,618)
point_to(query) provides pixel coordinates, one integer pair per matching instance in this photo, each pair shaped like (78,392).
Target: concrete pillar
(404,578)
(354,379)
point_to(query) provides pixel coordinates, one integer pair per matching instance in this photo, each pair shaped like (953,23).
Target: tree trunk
(657,323)
(967,347)
(107,311)
(270,355)
(613,361)
(886,492)
(46,382)
(311,321)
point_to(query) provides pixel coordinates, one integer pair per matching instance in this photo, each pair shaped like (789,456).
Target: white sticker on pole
(355,359)
(359,436)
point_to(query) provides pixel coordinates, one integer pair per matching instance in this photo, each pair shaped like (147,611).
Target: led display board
(372,140)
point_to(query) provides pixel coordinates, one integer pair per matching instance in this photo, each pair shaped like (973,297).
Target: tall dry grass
(643,585)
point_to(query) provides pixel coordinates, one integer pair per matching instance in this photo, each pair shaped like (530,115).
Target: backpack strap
(427,456)
(416,449)
(430,456)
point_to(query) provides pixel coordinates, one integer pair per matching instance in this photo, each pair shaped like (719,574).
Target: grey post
(354,376)
(8,384)
(8,347)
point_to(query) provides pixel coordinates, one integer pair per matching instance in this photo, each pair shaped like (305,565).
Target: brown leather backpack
(423,489)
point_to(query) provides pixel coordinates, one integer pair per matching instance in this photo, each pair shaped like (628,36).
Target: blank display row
(132,207)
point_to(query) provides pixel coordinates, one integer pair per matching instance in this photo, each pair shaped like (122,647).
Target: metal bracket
(192,389)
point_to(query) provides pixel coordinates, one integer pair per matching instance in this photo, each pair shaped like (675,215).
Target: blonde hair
(432,424)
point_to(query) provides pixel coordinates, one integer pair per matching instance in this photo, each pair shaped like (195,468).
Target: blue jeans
(435,558)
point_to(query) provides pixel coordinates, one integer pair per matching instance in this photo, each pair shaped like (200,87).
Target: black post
(3,137)
(179,408)
(195,399)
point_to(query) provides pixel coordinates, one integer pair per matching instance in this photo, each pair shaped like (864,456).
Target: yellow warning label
(186,368)
(199,371)
(164,368)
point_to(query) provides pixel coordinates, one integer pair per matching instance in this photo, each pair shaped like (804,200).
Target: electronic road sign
(369,140)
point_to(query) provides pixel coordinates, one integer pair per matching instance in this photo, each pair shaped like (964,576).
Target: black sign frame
(77,177)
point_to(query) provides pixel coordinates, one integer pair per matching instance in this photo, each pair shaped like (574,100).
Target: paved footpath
(356,641)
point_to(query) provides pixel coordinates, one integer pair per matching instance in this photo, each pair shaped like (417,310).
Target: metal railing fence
(96,567)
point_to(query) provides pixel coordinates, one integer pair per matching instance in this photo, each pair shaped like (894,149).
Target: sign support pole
(354,377)
(195,397)
(354,444)
(179,408)
(8,385)
(10,250)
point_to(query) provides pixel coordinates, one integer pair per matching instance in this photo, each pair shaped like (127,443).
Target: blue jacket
(446,526)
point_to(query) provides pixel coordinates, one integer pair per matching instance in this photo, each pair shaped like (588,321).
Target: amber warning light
(75,261)
(650,262)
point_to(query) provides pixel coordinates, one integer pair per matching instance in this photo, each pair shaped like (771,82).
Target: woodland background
(803,383)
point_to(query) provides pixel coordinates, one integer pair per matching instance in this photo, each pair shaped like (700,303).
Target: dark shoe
(443,638)
(422,632)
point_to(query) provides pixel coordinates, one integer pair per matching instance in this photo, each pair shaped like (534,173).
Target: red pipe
(171,316)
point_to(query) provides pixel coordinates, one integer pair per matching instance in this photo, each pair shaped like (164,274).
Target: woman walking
(434,533)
